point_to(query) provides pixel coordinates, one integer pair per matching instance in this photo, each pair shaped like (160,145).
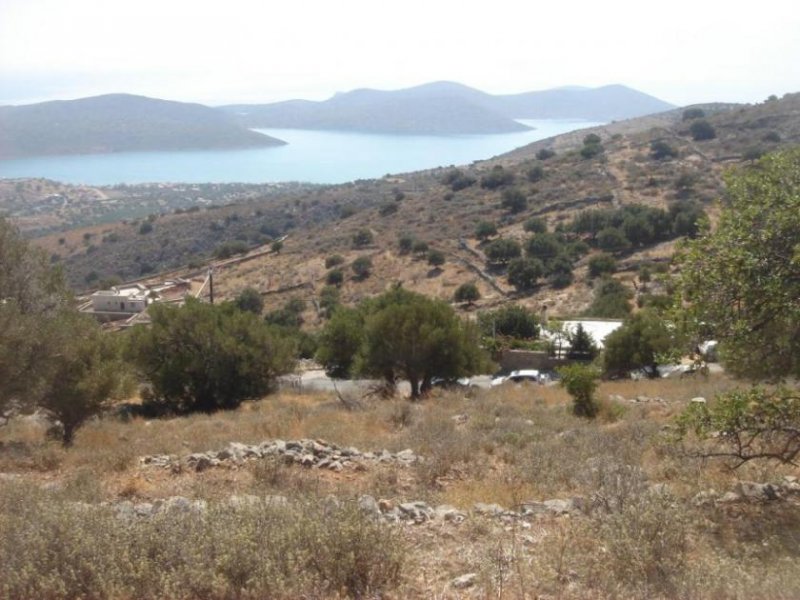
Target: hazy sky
(215,52)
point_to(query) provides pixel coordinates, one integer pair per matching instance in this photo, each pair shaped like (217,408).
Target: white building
(129,299)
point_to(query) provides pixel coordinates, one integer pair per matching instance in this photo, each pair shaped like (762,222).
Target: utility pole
(211,284)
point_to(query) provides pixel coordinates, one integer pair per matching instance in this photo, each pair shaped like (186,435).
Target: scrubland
(648,525)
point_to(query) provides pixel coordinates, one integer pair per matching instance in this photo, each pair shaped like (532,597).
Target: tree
(535,173)
(420,248)
(545,153)
(334,277)
(610,301)
(484,230)
(204,357)
(602,264)
(512,320)
(612,239)
(580,381)
(276,246)
(523,273)
(87,372)
(250,299)
(544,246)
(417,338)
(497,177)
(436,258)
(535,225)
(340,342)
(702,130)
(559,271)
(362,267)
(328,300)
(467,292)
(660,150)
(405,243)
(514,201)
(641,340)
(742,281)
(581,344)
(361,238)
(502,251)
(334,260)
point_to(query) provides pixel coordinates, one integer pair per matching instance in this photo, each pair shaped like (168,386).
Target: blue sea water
(309,156)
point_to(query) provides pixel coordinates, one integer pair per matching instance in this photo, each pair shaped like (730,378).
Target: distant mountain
(447,108)
(119,123)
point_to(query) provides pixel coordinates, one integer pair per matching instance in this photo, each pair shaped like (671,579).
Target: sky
(235,51)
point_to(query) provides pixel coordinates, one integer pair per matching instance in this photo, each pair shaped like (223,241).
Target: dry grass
(505,446)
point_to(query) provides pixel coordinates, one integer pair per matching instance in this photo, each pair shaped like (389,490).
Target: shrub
(334,261)
(512,320)
(612,239)
(484,230)
(602,264)
(436,258)
(363,237)
(591,150)
(610,301)
(702,130)
(497,177)
(334,277)
(250,300)
(524,273)
(458,180)
(362,266)
(693,113)
(405,243)
(580,381)
(535,174)
(420,248)
(545,153)
(276,246)
(502,251)
(229,249)
(388,209)
(173,356)
(514,201)
(660,150)
(641,339)
(467,292)
(535,225)
(145,228)
(340,341)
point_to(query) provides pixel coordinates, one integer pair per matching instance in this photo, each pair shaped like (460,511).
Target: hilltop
(431,207)
(119,123)
(447,108)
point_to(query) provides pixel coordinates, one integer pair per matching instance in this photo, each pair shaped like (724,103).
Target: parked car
(443,382)
(519,376)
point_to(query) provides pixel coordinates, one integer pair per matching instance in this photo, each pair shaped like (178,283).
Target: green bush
(502,251)
(702,130)
(535,225)
(524,273)
(514,201)
(334,277)
(362,267)
(610,300)
(484,230)
(580,381)
(334,261)
(250,300)
(363,237)
(545,153)
(602,264)
(497,178)
(467,292)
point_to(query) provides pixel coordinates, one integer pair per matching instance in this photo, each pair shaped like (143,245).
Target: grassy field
(642,532)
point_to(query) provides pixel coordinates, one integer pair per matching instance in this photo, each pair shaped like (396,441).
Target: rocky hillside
(653,161)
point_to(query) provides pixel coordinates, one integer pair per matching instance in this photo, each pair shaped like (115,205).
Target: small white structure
(130,299)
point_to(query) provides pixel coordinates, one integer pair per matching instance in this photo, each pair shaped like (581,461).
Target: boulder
(464,581)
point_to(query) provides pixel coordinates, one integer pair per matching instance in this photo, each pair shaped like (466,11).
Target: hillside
(448,108)
(118,123)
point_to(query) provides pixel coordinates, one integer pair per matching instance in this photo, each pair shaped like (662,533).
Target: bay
(309,156)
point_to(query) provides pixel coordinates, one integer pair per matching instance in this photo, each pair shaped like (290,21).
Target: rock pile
(317,454)
(749,491)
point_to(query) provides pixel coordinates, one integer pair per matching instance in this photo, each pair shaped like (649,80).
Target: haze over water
(309,156)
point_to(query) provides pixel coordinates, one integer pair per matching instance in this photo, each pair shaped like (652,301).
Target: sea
(324,157)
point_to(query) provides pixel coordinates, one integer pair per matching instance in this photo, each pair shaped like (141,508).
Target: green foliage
(230,249)
(535,174)
(484,230)
(745,425)
(250,300)
(524,273)
(417,338)
(610,300)
(458,180)
(512,321)
(641,340)
(361,238)
(545,153)
(145,228)
(340,342)
(405,244)
(204,357)
(591,146)
(420,247)
(592,139)
(514,201)
(742,281)
(334,261)
(288,316)
(501,251)
(401,334)
(362,267)
(580,381)
(328,300)
(559,271)
(602,264)
(276,246)
(436,258)
(581,344)
(388,209)
(497,178)
(660,150)
(702,130)
(86,370)
(613,239)
(467,292)
(334,277)
(535,225)
(544,246)
(693,113)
